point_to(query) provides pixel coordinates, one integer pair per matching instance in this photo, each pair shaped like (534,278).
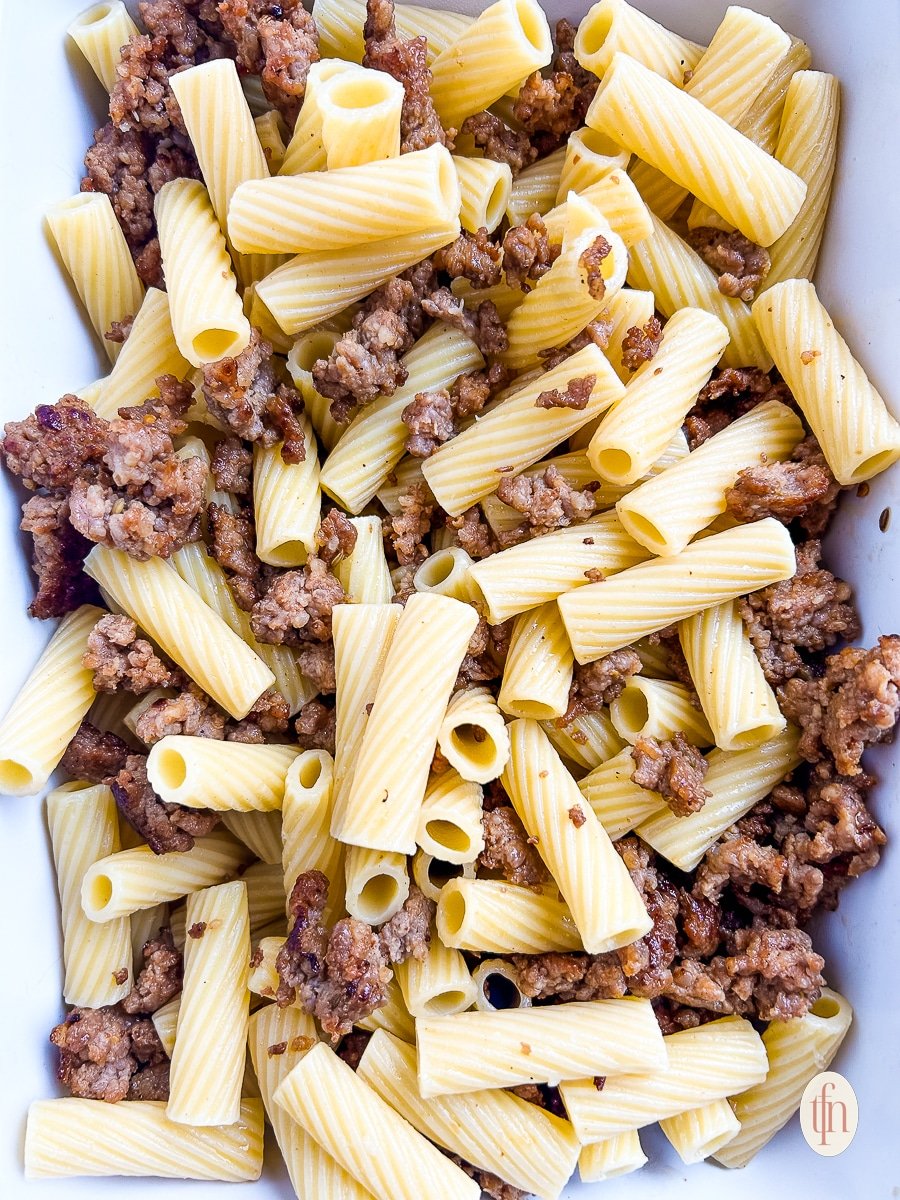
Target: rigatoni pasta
(472,736)
(200,772)
(287,502)
(611,26)
(490,916)
(100,32)
(450,820)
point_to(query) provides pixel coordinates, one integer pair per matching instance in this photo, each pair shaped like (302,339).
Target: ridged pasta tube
(857,433)
(287,502)
(701,1132)
(259,831)
(666,512)
(71,1137)
(433,874)
(265,896)
(122,883)
(481,1127)
(446,573)
(302,357)
(192,633)
(360,112)
(651,595)
(489,916)
(535,189)
(323,1094)
(472,736)
(200,772)
(305,150)
(589,157)
(614,1156)
(587,740)
(619,202)
(392,1016)
(382,807)
(269,129)
(516,433)
(340,25)
(537,675)
(572,843)
(470,1051)
(305,825)
(497,983)
(263,978)
(485,187)
(211,1036)
(636,432)
(618,803)
(95,254)
(612,26)
(797,1051)
(84,828)
(705,1063)
(658,708)
(735,782)
(207,315)
(364,573)
(438,984)
(165,1022)
(100,32)
(735,697)
(450,820)
(49,707)
(377,884)
(608,495)
(149,352)
(469,75)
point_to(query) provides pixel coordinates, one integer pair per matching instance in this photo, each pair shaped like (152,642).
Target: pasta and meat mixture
(240,503)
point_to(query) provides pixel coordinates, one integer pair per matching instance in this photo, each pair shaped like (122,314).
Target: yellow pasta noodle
(360,112)
(613,25)
(448,573)
(659,709)
(200,772)
(700,1132)
(537,675)
(377,884)
(616,197)
(618,803)
(472,736)
(589,157)
(340,24)
(535,189)
(489,916)
(302,357)
(392,1016)
(259,831)
(614,1156)
(270,131)
(150,351)
(450,818)
(100,32)
(287,502)
(306,811)
(485,187)
(586,741)
(438,984)
(305,150)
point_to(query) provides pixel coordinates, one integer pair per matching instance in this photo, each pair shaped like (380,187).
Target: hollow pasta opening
(440,873)
(643,530)
(826,1007)
(872,465)
(448,835)
(594,32)
(531,21)
(453,912)
(496,205)
(310,771)
(288,554)
(614,465)
(14,776)
(171,768)
(475,743)
(532,710)
(500,991)
(436,570)
(100,893)
(446,1003)
(93,16)
(307,350)
(377,895)
(599,143)
(754,736)
(632,711)
(357,91)
(213,344)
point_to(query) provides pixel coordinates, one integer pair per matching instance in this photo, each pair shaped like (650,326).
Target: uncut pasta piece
(489,916)
(658,708)
(392,1016)
(84,828)
(619,804)
(666,512)
(447,572)
(169,610)
(495,1130)
(131,879)
(360,113)
(383,800)
(608,495)
(661,392)
(485,187)
(340,25)
(858,435)
(733,691)
(95,254)
(259,831)
(306,809)
(572,843)
(628,309)
(797,1051)
(332,210)
(516,433)
(279,1037)
(612,26)
(678,277)
(150,351)
(325,1096)
(701,1132)
(616,197)
(302,357)
(586,741)
(705,1063)
(470,1051)
(49,707)
(614,1156)
(364,573)
(496,979)
(269,129)
(535,189)
(287,502)
(377,884)
(207,316)
(438,984)
(73,1137)
(472,736)
(200,772)
(537,675)
(450,820)
(375,441)
(589,157)
(433,874)
(100,32)
(736,781)
(314,286)
(265,896)
(654,594)
(305,150)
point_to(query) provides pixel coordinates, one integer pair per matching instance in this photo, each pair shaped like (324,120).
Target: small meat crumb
(675,769)
(507,849)
(528,253)
(121,661)
(640,344)
(197,930)
(576,816)
(406,61)
(740,264)
(499,142)
(473,256)
(546,501)
(576,395)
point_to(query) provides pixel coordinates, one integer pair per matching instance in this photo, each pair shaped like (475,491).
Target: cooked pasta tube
(479,1127)
(617,199)
(302,357)
(587,740)
(658,708)
(485,187)
(489,916)
(858,435)
(589,157)
(701,1132)
(618,803)
(498,988)
(735,781)
(190,631)
(628,309)
(305,150)
(287,502)
(450,825)
(100,32)
(614,1156)
(95,254)
(374,442)
(360,114)
(472,736)
(265,896)
(572,843)
(537,675)
(131,879)
(516,433)
(666,512)
(433,874)
(446,572)
(340,25)
(377,884)
(637,431)
(150,351)
(207,315)
(270,131)
(736,698)
(49,707)
(608,495)
(306,812)
(705,1063)
(797,1051)
(612,26)
(259,831)
(83,829)
(322,1094)
(208,1058)
(392,1016)
(200,772)
(71,1137)
(470,1051)
(652,595)
(535,189)
(437,984)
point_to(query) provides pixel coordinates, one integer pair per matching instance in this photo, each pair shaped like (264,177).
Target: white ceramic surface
(45,351)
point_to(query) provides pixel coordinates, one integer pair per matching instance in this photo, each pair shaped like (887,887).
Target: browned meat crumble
(58,556)
(547,501)
(597,684)
(297,605)
(740,264)
(315,726)
(528,253)
(675,769)
(165,827)
(94,756)
(159,980)
(279,42)
(190,712)
(232,466)
(802,489)
(640,344)
(473,256)
(508,850)
(499,142)
(122,661)
(482,324)
(576,395)
(107,1054)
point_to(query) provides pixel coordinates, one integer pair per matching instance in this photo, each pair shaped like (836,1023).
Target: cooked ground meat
(406,61)
(188,40)
(485,655)
(120,331)
(499,142)
(335,537)
(773,974)
(289,48)
(564,977)
(270,714)
(302,956)
(233,536)
(473,256)
(191,712)
(672,1017)
(740,862)
(54,445)
(165,827)
(150,1083)
(731,393)
(508,850)
(429,418)
(640,344)
(315,726)
(148,264)
(549,109)
(591,262)
(353,1047)
(57,558)
(490,1184)
(473,533)
(117,165)
(740,264)
(243,393)
(160,977)
(528,253)
(232,466)
(597,684)
(141,99)
(93,755)
(481,324)
(408,933)
(121,661)
(647,962)
(576,395)
(406,532)
(102,1049)
(297,605)
(801,489)
(316,661)
(595,333)
(809,611)
(546,501)
(674,768)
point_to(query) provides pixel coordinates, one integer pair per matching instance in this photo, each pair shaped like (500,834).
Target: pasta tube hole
(496,204)
(532,710)
(614,465)
(596,30)
(436,570)
(99,893)
(15,778)
(449,835)
(93,16)
(497,986)
(599,143)
(446,1003)
(532,23)
(632,711)
(290,553)
(475,743)
(352,91)
(871,466)
(440,873)
(171,768)
(377,896)
(453,912)
(645,531)
(310,348)
(755,736)
(310,771)
(826,1007)
(212,344)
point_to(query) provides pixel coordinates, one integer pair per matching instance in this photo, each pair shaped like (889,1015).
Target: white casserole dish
(46,351)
